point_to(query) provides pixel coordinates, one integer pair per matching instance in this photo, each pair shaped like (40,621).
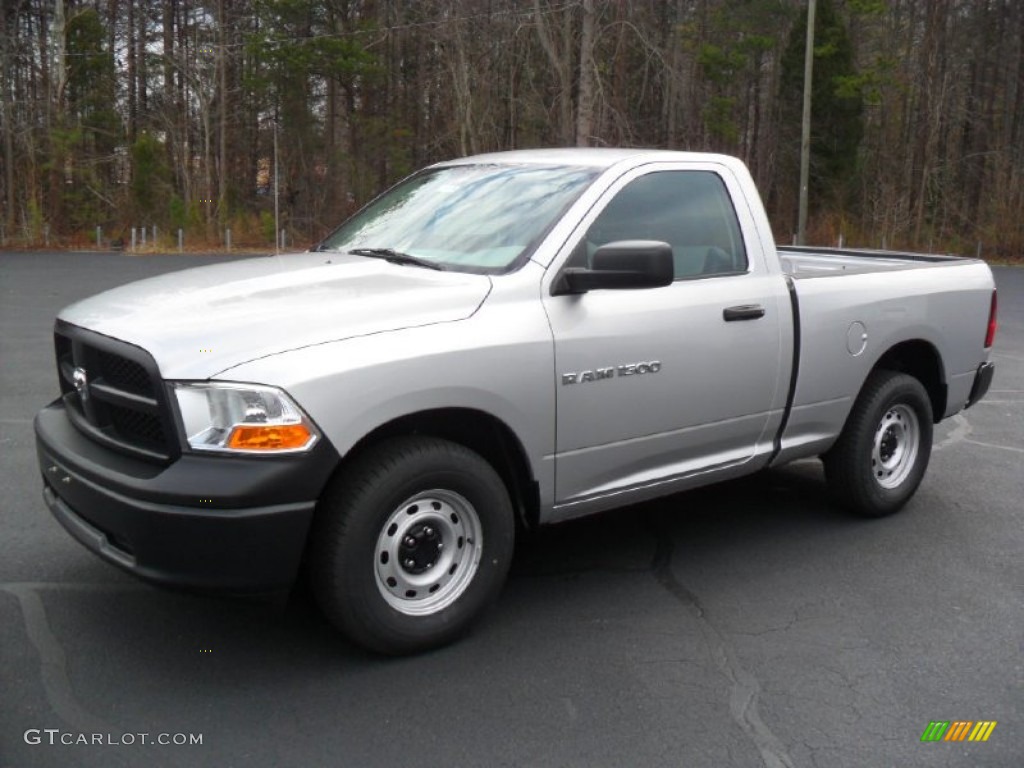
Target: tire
(411,542)
(881,456)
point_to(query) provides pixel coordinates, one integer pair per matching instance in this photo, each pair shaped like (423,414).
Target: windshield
(465,217)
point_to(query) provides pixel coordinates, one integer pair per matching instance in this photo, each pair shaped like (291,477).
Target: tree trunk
(562,65)
(133,104)
(222,101)
(7,117)
(585,101)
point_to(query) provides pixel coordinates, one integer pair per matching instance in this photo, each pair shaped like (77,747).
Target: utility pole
(805,134)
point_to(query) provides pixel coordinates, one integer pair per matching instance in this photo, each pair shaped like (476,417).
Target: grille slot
(134,426)
(122,373)
(119,401)
(65,362)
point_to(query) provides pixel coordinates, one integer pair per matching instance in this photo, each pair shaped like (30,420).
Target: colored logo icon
(959,730)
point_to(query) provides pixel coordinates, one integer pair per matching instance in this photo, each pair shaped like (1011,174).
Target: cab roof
(593,157)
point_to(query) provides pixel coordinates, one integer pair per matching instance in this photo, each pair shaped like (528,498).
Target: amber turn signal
(269,438)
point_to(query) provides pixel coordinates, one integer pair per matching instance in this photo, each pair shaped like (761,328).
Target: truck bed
(886,299)
(803,262)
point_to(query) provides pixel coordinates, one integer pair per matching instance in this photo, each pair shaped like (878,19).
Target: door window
(689,210)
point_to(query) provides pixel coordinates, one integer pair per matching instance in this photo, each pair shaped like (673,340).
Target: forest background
(165,113)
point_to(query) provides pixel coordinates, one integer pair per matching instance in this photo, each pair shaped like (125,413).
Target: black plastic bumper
(210,522)
(982,381)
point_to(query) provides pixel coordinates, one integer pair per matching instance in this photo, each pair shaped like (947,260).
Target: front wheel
(411,543)
(881,456)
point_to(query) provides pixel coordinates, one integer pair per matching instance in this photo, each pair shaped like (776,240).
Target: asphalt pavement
(751,624)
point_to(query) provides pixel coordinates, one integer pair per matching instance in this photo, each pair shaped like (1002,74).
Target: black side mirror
(618,265)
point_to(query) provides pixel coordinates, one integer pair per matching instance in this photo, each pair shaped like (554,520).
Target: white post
(133,238)
(227,238)
(99,237)
(181,240)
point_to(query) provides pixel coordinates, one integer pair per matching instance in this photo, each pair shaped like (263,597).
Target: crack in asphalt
(53,665)
(771,630)
(572,573)
(745,687)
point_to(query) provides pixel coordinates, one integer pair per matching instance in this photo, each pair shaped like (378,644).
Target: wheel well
(920,360)
(480,432)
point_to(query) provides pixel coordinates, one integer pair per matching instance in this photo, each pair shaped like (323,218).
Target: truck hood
(199,322)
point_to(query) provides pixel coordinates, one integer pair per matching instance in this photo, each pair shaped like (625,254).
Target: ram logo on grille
(81,381)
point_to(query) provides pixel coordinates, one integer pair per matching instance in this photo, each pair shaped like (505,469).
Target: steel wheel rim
(427,577)
(895,446)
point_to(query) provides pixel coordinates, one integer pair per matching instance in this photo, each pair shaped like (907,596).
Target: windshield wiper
(396,257)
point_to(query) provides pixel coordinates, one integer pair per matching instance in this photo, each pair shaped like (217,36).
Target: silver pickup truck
(496,343)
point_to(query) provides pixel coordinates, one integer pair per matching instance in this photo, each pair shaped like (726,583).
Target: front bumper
(224,523)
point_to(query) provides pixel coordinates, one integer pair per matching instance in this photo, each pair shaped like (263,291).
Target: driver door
(655,385)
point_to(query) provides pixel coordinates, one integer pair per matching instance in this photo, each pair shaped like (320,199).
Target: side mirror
(618,265)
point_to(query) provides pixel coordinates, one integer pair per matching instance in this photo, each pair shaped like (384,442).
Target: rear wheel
(411,543)
(881,456)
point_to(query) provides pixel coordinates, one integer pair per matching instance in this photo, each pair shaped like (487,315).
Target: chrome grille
(113,394)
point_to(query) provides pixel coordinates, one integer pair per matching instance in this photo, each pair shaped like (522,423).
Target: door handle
(743,312)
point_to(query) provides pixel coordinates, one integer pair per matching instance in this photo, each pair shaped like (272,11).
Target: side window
(689,210)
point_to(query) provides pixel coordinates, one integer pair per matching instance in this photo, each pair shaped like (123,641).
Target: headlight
(242,418)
